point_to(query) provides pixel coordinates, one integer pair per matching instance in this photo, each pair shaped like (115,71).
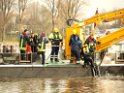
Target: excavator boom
(109,40)
(106,17)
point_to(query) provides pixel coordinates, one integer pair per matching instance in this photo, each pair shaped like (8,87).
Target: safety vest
(23,42)
(55,38)
(86,48)
(41,45)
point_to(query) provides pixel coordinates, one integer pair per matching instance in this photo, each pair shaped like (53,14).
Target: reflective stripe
(21,46)
(53,56)
(41,46)
(55,45)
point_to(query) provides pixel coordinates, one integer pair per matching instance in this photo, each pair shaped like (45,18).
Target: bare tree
(61,10)
(38,18)
(5,14)
(53,7)
(70,8)
(22,4)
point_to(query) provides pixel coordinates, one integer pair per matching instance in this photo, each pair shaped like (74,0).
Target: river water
(106,84)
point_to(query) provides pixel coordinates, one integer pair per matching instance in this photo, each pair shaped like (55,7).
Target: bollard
(4,49)
(11,49)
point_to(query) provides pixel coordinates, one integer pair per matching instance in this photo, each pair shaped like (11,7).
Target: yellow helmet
(74,32)
(56,30)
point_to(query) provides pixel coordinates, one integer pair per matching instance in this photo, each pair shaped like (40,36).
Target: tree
(5,15)
(69,9)
(52,5)
(38,18)
(61,10)
(22,4)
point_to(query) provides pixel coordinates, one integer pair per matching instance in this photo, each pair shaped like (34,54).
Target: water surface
(106,84)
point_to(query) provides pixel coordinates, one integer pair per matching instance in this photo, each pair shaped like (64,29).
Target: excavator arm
(102,43)
(106,17)
(109,40)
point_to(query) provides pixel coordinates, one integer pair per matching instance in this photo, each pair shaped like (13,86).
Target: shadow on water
(105,84)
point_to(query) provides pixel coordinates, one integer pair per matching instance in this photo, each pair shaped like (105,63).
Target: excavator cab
(69,32)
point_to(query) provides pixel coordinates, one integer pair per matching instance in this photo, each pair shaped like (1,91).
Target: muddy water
(109,84)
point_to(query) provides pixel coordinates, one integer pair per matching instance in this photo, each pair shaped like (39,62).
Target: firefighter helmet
(56,30)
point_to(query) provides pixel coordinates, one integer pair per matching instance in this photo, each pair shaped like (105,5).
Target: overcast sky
(103,5)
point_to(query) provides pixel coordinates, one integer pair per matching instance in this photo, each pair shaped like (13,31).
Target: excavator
(102,42)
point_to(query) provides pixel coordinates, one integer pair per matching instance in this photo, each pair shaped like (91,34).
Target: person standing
(23,43)
(42,41)
(76,45)
(34,45)
(34,42)
(56,40)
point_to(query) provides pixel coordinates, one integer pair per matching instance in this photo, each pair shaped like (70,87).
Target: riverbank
(50,71)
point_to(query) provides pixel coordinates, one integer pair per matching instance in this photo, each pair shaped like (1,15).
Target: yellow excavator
(102,43)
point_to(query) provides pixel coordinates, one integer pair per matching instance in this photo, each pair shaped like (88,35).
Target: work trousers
(42,53)
(23,55)
(34,49)
(75,53)
(54,53)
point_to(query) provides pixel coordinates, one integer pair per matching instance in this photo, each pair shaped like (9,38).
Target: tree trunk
(53,23)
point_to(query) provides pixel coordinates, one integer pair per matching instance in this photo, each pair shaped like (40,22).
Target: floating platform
(56,71)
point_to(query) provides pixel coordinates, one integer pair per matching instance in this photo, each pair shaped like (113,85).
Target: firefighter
(89,49)
(56,41)
(42,41)
(34,42)
(76,45)
(23,43)
(34,45)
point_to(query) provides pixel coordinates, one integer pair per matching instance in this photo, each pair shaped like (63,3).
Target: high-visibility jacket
(23,42)
(89,48)
(85,48)
(55,38)
(91,42)
(42,44)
